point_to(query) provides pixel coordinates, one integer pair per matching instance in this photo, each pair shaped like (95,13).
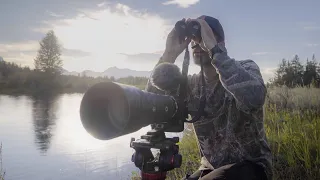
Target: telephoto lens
(109,110)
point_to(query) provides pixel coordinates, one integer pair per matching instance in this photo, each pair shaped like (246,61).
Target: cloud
(20,46)
(311,28)
(103,4)
(95,39)
(309,25)
(261,53)
(115,29)
(74,53)
(268,73)
(181,3)
(143,57)
(21,58)
(21,53)
(312,45)
(54,14)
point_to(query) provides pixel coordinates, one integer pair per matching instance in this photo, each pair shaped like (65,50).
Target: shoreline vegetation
(17,80)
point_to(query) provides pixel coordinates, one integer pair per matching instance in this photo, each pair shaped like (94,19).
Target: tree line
(293,73)
(47,76)
(15,79)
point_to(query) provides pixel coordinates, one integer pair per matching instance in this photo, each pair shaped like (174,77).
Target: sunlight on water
(44,139)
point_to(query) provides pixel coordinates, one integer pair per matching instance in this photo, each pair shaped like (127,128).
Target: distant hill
(112,71)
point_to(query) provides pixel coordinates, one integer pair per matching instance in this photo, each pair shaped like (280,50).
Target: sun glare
(113,30)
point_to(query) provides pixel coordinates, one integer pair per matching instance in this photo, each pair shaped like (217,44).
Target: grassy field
(292,124)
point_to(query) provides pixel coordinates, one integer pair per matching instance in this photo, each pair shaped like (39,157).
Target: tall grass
(299,98)
(292,122)
(294,138)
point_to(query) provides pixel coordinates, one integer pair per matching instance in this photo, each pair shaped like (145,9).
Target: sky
(99,34)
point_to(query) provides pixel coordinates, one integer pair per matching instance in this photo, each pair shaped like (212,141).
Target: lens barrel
(109,110)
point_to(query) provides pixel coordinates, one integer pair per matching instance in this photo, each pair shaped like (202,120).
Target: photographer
(232,139)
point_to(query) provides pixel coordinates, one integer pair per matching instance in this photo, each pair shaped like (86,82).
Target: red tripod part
(157,176)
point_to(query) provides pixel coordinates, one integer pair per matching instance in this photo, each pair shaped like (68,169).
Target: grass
(190,155)
(292,124)
(294,138)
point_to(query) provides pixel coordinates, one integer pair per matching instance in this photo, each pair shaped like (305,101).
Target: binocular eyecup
(191,29)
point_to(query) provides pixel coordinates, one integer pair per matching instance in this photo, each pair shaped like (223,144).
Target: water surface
(43,139)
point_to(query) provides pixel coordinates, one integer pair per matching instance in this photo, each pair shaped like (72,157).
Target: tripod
(155,167)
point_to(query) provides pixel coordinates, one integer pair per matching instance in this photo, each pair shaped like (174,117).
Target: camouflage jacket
(234,129)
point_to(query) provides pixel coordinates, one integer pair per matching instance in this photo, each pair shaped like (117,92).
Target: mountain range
(112,71)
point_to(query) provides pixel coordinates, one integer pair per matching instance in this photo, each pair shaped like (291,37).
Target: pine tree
(317,79)
(298,71)
(310,73)
(48,57)
(280,73)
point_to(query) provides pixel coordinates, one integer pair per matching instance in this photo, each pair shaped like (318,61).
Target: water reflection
(43,138)
(44,118)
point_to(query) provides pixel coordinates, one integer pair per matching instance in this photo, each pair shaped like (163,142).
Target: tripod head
(154,167)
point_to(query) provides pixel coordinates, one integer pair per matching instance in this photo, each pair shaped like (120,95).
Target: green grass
(294,137)
(292,123)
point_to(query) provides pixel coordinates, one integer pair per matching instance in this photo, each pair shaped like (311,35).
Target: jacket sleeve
(242,79)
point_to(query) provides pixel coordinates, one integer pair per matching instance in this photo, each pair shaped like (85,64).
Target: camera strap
(203,95)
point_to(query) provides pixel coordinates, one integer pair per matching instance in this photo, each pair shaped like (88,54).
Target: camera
(109,110)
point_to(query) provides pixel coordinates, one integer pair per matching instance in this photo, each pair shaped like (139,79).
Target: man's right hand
(173,47)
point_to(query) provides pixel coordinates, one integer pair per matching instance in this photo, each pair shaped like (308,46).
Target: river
(43,139)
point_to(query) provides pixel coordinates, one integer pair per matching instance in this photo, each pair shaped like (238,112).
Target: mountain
(112,71)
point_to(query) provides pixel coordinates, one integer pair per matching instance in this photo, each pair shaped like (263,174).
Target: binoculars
(191,29)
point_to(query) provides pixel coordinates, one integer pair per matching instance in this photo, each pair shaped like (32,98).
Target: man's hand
(208,40)
(173,47)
